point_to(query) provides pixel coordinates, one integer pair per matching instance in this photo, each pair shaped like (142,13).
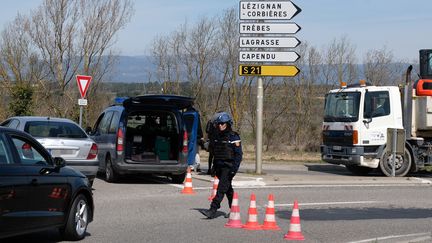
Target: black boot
(210,213)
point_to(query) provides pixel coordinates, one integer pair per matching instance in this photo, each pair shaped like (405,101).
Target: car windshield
(342,107)
(54,129)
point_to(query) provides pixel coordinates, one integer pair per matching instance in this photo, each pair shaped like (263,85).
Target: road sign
(257,42)
(268,10)
(83,84)
(82,102)
(269,28)
(268,70)
(268,56)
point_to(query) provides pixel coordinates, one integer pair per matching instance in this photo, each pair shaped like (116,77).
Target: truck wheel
(358,170)
(403,163)
(110,174)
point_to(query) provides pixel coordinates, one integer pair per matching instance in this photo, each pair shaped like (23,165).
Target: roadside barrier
(294,232)
(252,223)
(215,187)
(234,220)
(270,218)
(187,187)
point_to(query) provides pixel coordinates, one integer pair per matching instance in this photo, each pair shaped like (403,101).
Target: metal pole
(394,141)
(81,113)
(259,127)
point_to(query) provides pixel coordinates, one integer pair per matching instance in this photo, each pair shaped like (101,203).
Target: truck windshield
(342,107)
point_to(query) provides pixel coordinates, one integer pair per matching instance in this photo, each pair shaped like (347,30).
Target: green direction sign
(268,70)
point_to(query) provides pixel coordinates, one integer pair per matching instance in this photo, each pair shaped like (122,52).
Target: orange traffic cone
(270,219)
(187,188)
(234,220)
(294,232)
(252,223)
(215,187)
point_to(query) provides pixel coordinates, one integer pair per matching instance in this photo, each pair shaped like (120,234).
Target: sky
(400,26)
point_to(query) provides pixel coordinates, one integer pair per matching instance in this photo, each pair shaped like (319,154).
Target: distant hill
(138,69)
(132,69)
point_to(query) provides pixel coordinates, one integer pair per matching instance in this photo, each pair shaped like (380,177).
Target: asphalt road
(334,206)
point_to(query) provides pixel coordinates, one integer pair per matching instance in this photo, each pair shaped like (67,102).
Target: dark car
(38,192)
(146,134)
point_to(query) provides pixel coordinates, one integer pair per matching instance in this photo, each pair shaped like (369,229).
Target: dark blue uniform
(227,158)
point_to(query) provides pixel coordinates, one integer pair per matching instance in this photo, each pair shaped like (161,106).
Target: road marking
(327,203)
(390,237)
(256,185)
(424,181)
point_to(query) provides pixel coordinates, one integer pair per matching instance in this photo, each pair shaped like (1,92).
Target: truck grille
(343,138)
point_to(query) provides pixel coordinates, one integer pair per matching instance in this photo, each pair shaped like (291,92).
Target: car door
(101,136)
(191,121)
(48,194)
(13,193)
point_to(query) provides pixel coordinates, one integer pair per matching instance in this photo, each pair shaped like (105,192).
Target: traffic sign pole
(252,36)
(83,83)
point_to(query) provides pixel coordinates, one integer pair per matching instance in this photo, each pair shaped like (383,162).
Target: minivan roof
(180,102)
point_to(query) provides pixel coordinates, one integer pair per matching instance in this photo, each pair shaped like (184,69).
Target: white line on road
(390,237)
(422,180)
(253,185)
(327,203)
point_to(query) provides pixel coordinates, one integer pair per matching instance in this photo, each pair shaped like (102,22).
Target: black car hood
(174,101)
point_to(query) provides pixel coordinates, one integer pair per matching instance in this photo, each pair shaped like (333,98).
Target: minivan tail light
(120,138)
(185,142)
(93,152)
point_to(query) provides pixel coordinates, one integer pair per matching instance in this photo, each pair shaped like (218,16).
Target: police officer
(227,157)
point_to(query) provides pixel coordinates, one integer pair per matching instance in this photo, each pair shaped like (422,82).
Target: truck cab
(357,118)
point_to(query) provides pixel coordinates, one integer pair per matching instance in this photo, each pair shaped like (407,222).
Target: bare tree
(76,36)
(380,67)
(339,62)
(20,68)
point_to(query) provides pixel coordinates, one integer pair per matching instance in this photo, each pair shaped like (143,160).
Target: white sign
(268,56)
(268,10)
(286,42)
(269,28)
(82,102)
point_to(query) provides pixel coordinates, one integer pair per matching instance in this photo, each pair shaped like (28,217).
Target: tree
(339,62)
(380,68)
(75,37)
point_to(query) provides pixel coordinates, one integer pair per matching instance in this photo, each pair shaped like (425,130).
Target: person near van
(227,158)
(211,130)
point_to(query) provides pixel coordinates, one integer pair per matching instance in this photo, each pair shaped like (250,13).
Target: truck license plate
(338,148)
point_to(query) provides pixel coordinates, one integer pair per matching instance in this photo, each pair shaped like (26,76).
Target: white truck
(357,119)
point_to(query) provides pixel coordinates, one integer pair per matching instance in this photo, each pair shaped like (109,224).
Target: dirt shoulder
(276,157)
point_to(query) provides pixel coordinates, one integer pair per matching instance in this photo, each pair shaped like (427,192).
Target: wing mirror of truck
(368,120)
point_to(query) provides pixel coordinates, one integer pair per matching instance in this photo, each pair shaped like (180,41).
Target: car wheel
(178,179)
(402,163)
(110,174)
(76,225)
(358,170)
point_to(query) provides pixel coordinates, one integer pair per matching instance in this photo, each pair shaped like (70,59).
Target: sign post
(83,83)
(253,40)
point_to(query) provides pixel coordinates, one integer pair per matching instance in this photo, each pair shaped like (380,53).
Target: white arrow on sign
(268,10)
(268,56)
(285,42)
(269,28)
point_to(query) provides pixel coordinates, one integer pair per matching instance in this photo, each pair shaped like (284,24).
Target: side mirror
(59,162)
(88,130)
